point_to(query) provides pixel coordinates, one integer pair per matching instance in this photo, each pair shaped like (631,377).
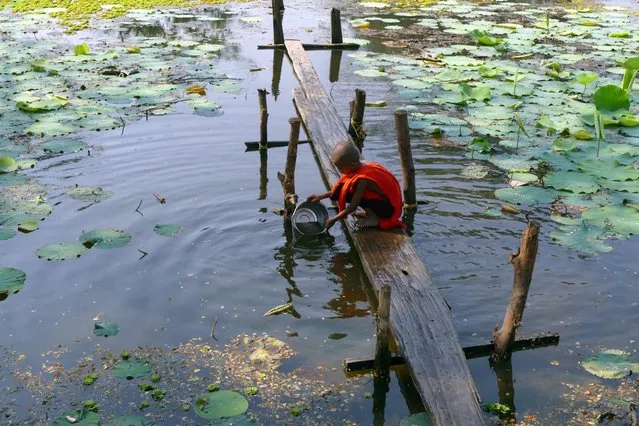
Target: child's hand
(314,198)
(330,222)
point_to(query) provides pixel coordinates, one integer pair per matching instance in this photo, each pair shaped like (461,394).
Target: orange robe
(384,180)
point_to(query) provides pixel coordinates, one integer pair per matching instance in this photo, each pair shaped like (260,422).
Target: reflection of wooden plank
(254,146)
(420,319)
(352,365)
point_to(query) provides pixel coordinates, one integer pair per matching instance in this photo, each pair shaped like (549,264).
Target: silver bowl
(310,218)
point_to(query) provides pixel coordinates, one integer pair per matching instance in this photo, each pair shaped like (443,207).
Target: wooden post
(336,27)
(278,58)
(505,385)
(278,13)
(288,179)
(334,66)
(261,93)
(382,353)
(263,174)
(406,158)
(356,127)
(523,260)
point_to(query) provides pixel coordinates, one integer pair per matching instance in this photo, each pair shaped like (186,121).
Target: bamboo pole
(406,158)
(523,261)
(336,27)
(382,352)
(278,13)
(261,93)
(356,126)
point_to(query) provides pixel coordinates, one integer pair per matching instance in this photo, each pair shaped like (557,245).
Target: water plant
(608,99)
(631,66)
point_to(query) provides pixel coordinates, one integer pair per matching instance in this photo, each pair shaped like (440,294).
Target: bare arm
(314,198)
(362,185)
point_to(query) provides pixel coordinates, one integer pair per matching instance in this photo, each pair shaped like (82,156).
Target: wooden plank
(314,46)
(254,146)
(420,319)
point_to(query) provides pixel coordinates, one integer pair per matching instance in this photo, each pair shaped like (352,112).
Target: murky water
(235,259)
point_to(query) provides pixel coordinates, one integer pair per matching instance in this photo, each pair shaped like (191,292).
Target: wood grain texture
(420,319)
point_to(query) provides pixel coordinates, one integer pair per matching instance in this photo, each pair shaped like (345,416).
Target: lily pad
(63,146)
(611,98)
(61,251)
(105,329)
(105,238)
(28,226)
(220,404)
(610,364)
(11,281)
(89,193)
(7,233)
(130,421)
(584,238)
(527,195)
(131,369)
(475,171)
(167,230)
(576,182)
(8,165)
(419,419)
(78,418)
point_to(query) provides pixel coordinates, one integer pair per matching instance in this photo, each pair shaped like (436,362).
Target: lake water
(235,259)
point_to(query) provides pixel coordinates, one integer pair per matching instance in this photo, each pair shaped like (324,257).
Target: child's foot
(368,220)
(359,213)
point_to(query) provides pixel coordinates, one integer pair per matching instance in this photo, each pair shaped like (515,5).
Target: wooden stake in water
(523,260)
(406,158)
(278,13)
(356,126)
(261,93)
(336,27)
(382,352)
(290,198)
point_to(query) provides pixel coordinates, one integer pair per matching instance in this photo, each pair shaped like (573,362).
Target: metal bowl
(310,218)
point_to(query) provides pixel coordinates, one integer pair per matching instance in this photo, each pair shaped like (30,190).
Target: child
(363,184)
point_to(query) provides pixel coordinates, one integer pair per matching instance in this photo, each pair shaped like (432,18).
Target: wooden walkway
(420,319)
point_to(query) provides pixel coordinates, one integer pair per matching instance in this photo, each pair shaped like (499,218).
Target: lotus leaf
(488,72)
(11,281)
(584,238)
(28,226)
(26,163)
(49,128)
(572,181)
(631,186)
(89,193)
(585,78)
(105,329)
(496,408)
(167,230)
(611,99)
(130,421)
(61,251)
(610,169)
(610,364)
(462,61)
(63,146)
(484,39)
(105,238)
(624,220)
(620,34)
(419,419)
(632,63)
(412,83)
(7,233)
(131,369)
(478,93)
(564,145)
(526,195)
(220,404)
(78,418)
(205,107)
(475,171)
(628,121)
(582,135)
(371,72)
(8,164)
(47,103)
(81,49)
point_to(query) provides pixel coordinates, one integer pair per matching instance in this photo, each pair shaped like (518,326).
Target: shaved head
(345,153)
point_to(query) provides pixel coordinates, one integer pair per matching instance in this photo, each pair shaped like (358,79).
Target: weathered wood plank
(314,46)
(420,319)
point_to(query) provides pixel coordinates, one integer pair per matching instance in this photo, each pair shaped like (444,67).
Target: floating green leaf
(11,281)
(584,238)
(8,165)
(419,419)
(167,230)
(337,336)
(78,418)
(582,135)
(44,104)
(478,93)
(620,34)
(496,408)
(28,226)
(81,49)
(572,181)
(527,195)
(61,251)
(488,72)
(63,146)
(483,38)
(7,233)
(610,364)
(220,404)
(131,369)
(105,238)
(585,78)
(130,421)
(105,329)
(475,171)
(89,193)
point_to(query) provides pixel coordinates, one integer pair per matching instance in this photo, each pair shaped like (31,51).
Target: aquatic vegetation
(105,238)
(11,281)
(90,379)
(78,417)
(129,421)
(220,404)
(610,364)
(419,419)
(61,251)
(167,230)
(131,369)
(105,329)
(519,97)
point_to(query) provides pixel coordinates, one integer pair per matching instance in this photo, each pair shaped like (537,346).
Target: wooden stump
(263,174)
(288,179)
(382,352)
(523,260)
(356,126)
(261,93)
(336,27)
(334,66)
(406,159)
(278,13)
